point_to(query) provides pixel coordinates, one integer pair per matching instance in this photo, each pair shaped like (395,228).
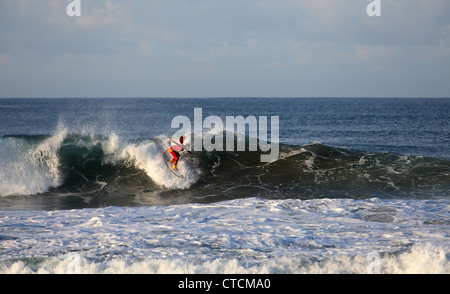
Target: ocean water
(360,186)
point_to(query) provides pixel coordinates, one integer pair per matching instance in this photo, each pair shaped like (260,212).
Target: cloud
(285,47)
(6,58)
(374,53)
(403,22)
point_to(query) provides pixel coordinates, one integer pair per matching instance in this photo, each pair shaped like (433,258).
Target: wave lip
(29,166)
(80,163)
(146,156)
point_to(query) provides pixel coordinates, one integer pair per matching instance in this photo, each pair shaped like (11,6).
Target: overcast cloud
(212,48)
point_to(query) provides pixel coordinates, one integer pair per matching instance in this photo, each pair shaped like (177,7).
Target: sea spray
(146,156)
(244,236)
(28,167)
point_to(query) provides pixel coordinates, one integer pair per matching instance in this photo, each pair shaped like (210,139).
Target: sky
(216,48)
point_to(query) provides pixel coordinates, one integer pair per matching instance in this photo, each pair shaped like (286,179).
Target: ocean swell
(92,165)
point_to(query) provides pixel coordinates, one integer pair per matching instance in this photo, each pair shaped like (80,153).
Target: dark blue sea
(359,185)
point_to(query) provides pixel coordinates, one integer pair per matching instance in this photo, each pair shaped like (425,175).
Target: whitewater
(84,189)
(239,236)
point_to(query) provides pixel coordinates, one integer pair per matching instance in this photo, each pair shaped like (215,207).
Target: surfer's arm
(187,148)
(184,147)
(175,142)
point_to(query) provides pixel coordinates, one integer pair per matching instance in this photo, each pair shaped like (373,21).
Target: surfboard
(166,156)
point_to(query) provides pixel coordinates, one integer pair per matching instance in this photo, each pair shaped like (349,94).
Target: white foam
(421,259)
(240,236)
(146,155)
(27,169)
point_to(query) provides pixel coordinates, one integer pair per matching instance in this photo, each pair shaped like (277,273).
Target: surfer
(175,150)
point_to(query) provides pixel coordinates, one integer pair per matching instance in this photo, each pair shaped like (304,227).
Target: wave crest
(86,165)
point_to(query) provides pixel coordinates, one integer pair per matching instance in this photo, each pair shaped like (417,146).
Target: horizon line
(233,97)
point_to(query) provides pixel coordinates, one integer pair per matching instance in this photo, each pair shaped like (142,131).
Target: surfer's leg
(175,158)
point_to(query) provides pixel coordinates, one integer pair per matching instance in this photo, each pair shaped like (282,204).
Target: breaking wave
(107,166)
